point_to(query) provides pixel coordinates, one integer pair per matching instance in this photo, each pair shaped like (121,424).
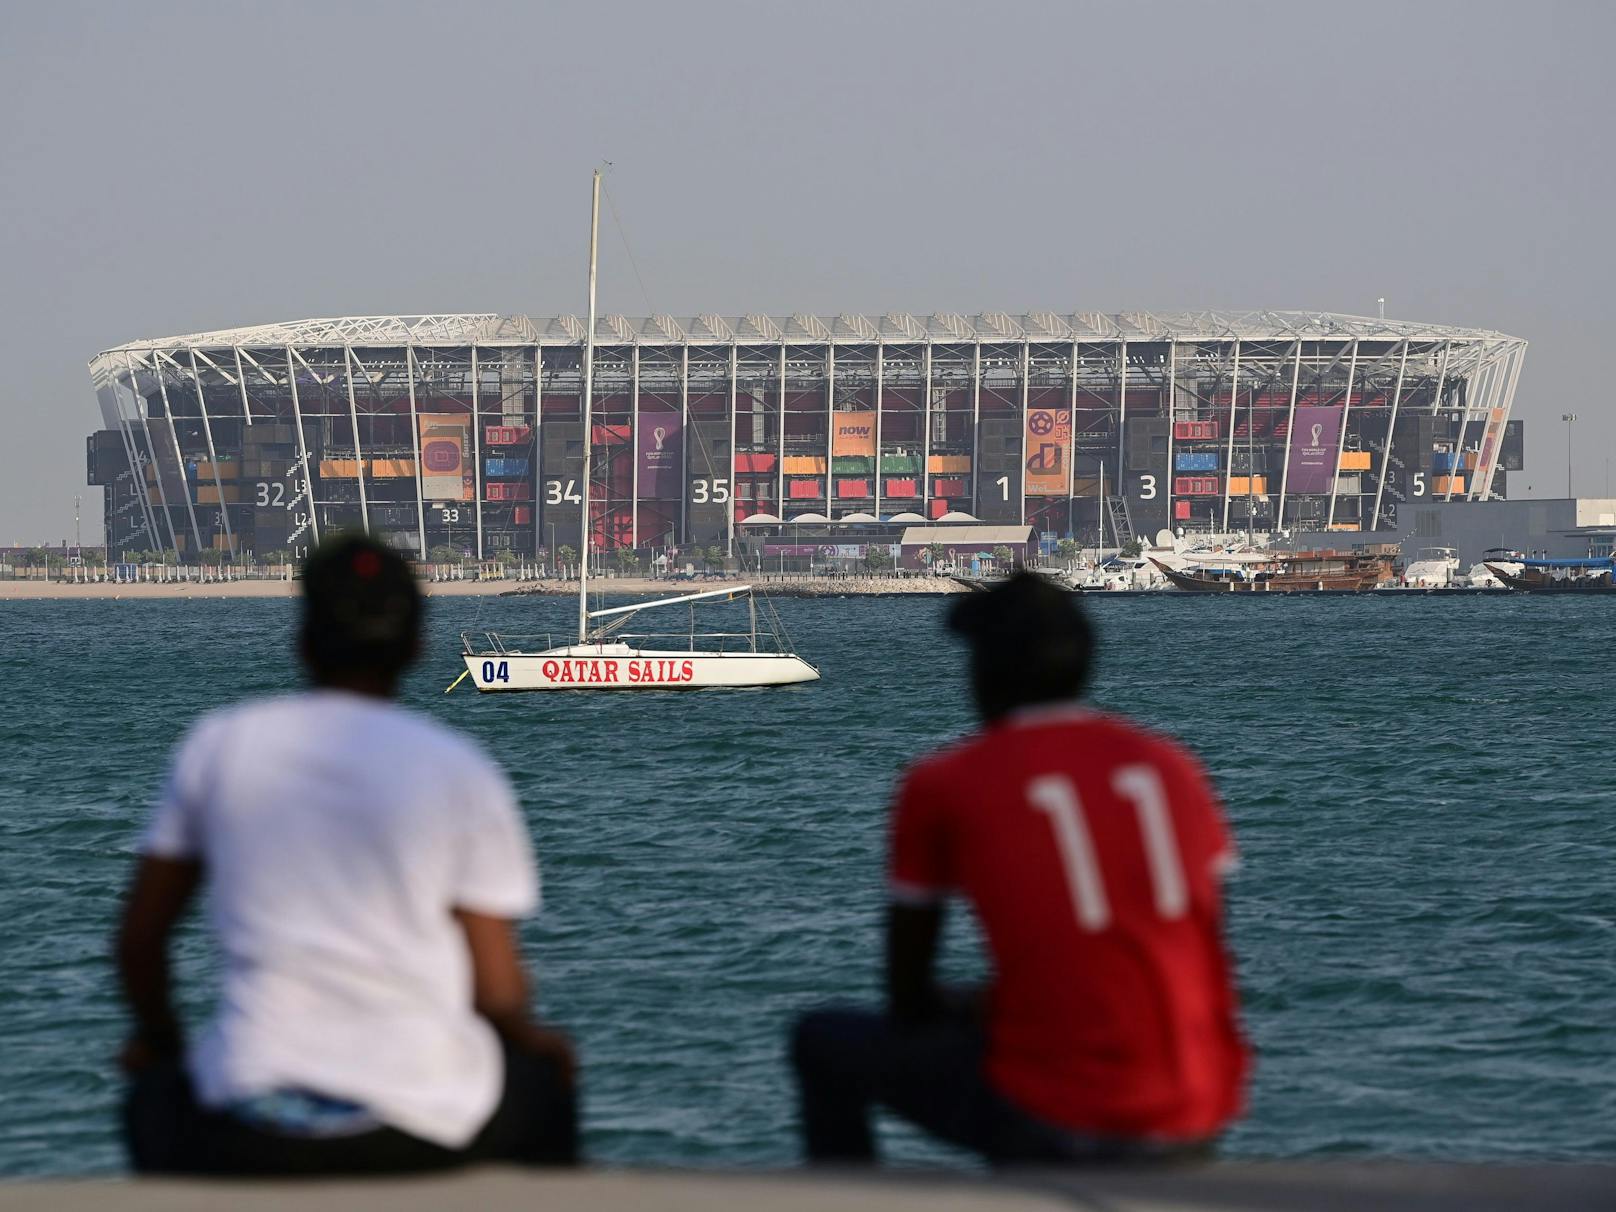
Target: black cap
(361,607)
(1031,642)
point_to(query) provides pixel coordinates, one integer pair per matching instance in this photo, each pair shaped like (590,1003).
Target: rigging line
(622,235)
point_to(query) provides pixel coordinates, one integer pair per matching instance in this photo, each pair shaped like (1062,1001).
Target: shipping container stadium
(465,432)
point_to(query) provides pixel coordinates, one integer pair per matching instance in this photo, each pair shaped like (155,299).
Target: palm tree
(568,556)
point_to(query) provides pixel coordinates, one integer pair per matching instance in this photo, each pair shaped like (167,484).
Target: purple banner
(1310,467)
(658,442)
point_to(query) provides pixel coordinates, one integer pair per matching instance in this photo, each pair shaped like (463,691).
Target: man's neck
(367,685)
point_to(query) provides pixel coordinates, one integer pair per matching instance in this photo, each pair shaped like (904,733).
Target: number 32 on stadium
(1056,795)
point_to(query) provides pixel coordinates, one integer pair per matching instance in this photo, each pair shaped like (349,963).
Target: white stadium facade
(465,431)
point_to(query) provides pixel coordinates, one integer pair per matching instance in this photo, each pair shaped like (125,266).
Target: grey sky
(169,168)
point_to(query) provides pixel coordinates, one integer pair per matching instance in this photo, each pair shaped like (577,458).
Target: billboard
(1310,464)
(852,433)
(445,471)
(1049,446)
(658,437)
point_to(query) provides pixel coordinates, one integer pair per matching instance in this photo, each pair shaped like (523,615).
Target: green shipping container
(852,464)
(898,463)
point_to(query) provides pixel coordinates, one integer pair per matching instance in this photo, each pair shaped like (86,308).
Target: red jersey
(1092,852)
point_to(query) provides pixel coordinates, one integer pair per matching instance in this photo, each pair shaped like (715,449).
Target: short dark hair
(361,608)
(1031,642)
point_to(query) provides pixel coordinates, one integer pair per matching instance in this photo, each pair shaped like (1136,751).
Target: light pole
(1568,418)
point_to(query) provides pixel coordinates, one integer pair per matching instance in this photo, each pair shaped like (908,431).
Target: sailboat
(608,657)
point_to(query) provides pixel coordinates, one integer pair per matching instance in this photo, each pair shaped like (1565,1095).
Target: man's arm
(912,935)
(159,895)
(500,989)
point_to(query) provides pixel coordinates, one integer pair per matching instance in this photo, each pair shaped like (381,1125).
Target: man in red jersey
(1092,853)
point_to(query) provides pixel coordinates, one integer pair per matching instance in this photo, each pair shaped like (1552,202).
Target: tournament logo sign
(658,442)
(1049,444)
(1310,466)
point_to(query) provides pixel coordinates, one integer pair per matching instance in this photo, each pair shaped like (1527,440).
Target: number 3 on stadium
(1057,795)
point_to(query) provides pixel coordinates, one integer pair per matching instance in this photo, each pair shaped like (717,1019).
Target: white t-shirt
(337,832)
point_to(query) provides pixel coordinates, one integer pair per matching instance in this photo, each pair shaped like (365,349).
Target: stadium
(465,432)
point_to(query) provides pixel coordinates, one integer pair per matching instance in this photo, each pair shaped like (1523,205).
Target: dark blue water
(1420,787)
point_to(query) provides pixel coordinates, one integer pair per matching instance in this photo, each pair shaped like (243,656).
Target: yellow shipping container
(394,468)
(949,464)
(344,468)
(1354,460)
(1240,486)
(228,469)
(804,465)
(1442,484)
(207,494)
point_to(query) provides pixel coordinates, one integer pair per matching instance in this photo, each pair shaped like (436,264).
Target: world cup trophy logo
(1318,432)
(659,435)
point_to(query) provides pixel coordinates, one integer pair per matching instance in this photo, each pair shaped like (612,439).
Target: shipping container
(1196,486)
(523,515)
(1181,510)
(948,488)
(506,466)
(1442,484)
(852,465)
(937,508)
(804,465)
(805,489)
(1355,460)
(897,464)
(506,435)
(227,469)
(1348,486)
(392,469)
(754,462)
(335,469)
(1195,431)
(902,488)
(949,464)
(1242,486)
(852,488)
(207,494)
(1196,460)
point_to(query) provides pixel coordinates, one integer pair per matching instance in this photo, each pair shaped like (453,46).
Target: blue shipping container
(507,467)
(1197,461)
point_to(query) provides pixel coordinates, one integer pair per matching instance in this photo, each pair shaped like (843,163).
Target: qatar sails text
(607,658)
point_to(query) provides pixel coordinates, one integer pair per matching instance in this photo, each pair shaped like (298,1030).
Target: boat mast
(589,437)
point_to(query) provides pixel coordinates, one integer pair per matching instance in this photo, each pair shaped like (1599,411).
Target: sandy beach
(24,590)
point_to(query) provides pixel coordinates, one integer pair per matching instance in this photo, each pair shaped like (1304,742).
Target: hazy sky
(169,168)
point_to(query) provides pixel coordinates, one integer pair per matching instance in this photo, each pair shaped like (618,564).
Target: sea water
(1420,788)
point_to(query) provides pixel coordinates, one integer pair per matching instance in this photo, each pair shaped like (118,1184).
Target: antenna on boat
(589,441)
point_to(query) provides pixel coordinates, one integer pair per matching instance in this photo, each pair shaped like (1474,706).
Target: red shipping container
(524,515)
(1192,431)
(852,488)
(506,435)
(754,462)
(610,435)
(948,488)
(903,488)
(937,508)
(805,489)
(1195,486)
(1181,510)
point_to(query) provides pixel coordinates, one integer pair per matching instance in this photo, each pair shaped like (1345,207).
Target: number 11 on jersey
(1141,785)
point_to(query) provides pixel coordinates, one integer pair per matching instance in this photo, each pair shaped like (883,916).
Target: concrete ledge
(1258,1187)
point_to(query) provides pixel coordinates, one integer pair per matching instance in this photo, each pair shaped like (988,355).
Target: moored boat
(1596,574)
(1287,572)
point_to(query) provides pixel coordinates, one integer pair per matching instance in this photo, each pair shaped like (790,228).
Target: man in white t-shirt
(364,868)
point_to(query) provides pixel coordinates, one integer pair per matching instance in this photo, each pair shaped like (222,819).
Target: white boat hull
(619,667)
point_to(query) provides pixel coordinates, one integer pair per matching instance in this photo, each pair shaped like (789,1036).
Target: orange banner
(852,433)
(445,472)
(1049,445)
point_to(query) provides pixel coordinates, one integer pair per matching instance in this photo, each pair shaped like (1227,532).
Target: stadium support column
(729,504)
(1341,441)
(925,432)
(1391,430)
(1228,459)
(359,454)
(830,427)
(1290,424)
(1441,377)
(880,372)
(1486,374)
(477,451)
(535,468)
(634,446)
(684,445)
(976,419)
(213,456)
(151,450)
(1071,449)
(241,382)
(780,441)
(1506,402)
(137,470)
(1021,476)
(1172,419)
(415,442)
(303,450)
(158,358)
(1120,487)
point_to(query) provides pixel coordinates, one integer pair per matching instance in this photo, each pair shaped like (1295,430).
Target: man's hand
(500,992)
(141,1052)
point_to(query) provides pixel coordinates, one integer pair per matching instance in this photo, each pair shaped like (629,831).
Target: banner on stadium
(852,433)
(1489,441)
(1310,464)
(1049,445)
(658,439)
(445,471)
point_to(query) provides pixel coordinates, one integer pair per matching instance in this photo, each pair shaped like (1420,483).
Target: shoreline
(28,590)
